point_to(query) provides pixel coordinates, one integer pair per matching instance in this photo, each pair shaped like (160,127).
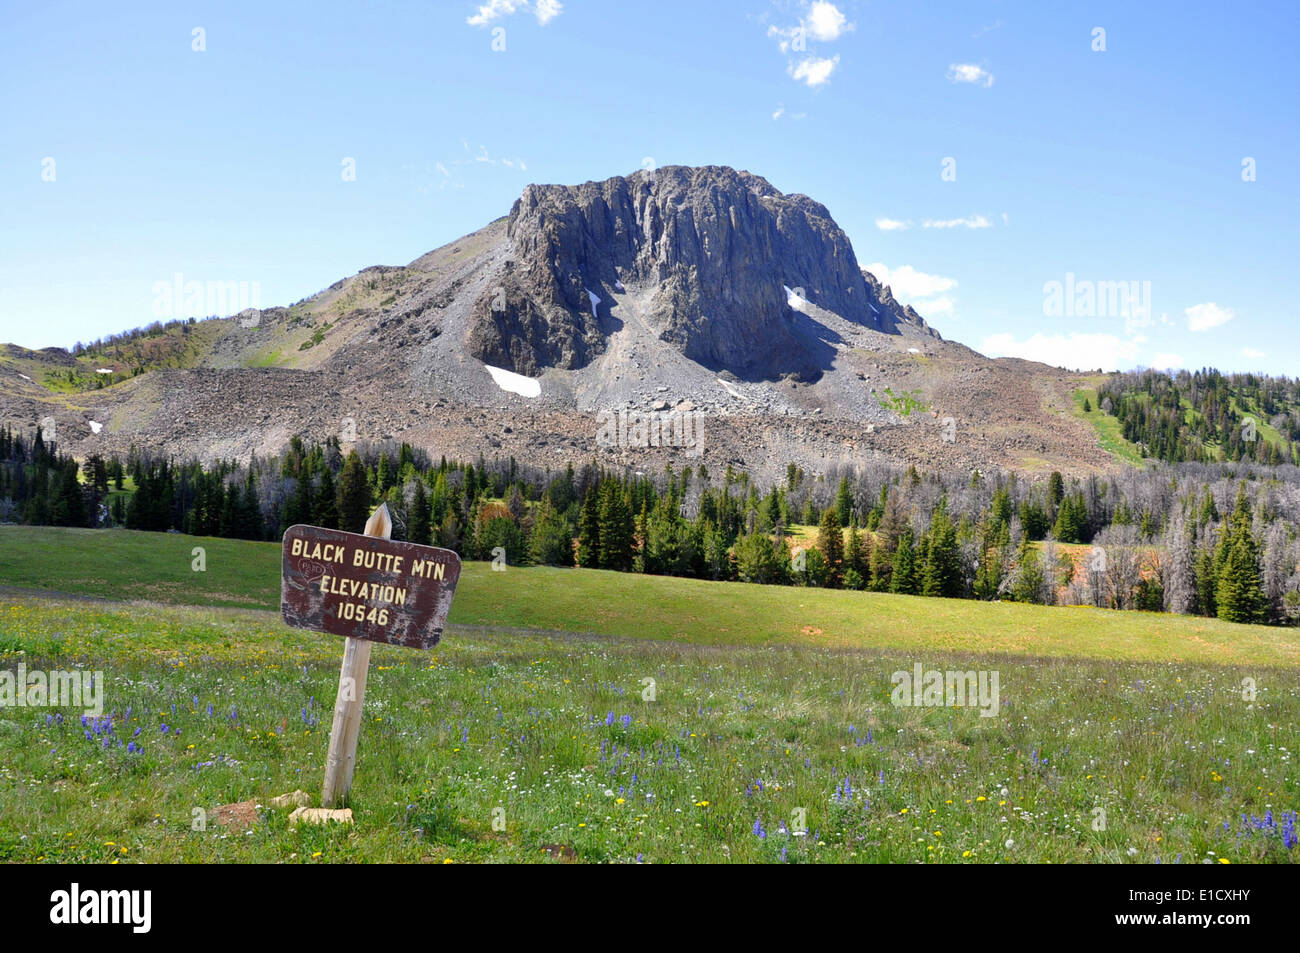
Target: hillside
(125,565)
(1206,416)
(701,290)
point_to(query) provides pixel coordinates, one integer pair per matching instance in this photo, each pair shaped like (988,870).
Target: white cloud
(907,283)
(482,157)
(970,73)
(1074,350)
(929,307)
(545,11)
(1167,362)
(814,70)
(1253,353)
(825,22)
(821,22)
(548,10)
(974,221)
(1202,317)
(780,111)
(891,225)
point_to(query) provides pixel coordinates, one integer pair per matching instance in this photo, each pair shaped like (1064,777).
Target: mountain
(701,290)
(704,257)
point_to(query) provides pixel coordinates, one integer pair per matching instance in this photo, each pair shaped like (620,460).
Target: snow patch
(913,350)
(733,392)
(793,300)
(595,302)
(618,286)
(103,370)
(96,426)
(515,383)
(25,377)
(873,307)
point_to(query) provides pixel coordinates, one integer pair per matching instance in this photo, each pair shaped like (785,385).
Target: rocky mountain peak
(704,257)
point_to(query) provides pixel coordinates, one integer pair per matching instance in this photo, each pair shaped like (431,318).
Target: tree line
(1206,416)
(1211,539)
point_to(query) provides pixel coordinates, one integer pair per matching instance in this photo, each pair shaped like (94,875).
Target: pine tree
(942,573)
(1030,581)
(830,540)
(855,558)
(68,506)
(589,531)
(903,576)
(550,543)
(298,508)
(354,495)
(420,528)
(249,510)
(1055,489)
(1239,595)
(1207,580)
(325,508)
(757,559)
(890,526)
(844,502)
(616,529)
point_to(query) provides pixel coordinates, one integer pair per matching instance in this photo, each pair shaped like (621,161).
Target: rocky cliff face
(896,318)
(703,256)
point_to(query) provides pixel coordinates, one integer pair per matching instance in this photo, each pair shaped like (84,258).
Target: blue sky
(974,152)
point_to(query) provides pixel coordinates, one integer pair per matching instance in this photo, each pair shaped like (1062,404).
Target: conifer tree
(844,502)
(420,528)
(830,540)
(1239,595)
(942,574)
(589,531)
(903,575)
(354,495)
(1030,581)
(325,509)
(616,528)
(550,542)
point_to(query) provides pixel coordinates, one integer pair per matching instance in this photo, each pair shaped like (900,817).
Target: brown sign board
(366,587)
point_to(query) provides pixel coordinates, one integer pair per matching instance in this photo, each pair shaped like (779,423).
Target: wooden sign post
(368,589)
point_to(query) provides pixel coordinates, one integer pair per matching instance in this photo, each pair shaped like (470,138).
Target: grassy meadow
(708,722)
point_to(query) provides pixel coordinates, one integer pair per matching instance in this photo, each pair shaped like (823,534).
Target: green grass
(1108,429)
(522,723)
(765,700)
(904,404)
(269,359)
(125,565)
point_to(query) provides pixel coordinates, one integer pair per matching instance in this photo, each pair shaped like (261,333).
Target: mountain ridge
(704,290)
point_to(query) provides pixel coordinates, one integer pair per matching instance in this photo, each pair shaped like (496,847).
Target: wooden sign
(366,587)
(369,589)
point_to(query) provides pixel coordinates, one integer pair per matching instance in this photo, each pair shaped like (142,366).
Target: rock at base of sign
(561,852)
(296,799)
(320,815)
(238,815)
